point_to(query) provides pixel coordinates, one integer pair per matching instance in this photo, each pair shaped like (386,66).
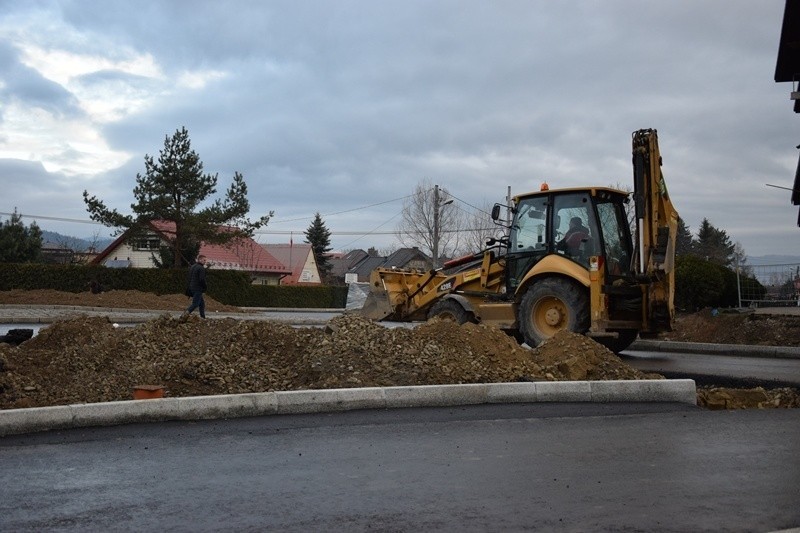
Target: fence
(769,285)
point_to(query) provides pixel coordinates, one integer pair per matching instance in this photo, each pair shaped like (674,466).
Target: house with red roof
(300,259)
(241,254)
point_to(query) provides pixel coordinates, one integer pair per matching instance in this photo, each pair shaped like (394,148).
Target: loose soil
(737,328)
(86,359)
(112,299)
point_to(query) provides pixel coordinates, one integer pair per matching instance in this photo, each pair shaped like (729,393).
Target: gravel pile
(87,359)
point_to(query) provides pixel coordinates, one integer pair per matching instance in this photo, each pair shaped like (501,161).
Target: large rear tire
(450,310)
(552,305)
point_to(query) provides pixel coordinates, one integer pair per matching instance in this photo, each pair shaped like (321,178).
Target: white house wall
(138,258)
(310,273)
(144,259)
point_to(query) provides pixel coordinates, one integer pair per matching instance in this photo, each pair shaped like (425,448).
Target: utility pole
(508,203)
(437,204)
(435,247)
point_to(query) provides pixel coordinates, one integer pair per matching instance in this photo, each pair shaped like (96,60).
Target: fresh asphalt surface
(743,370)
(519,466)
(538,467)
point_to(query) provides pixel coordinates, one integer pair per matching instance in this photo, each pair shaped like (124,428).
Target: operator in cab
(575,235)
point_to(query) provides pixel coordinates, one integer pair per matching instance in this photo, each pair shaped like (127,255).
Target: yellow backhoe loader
(568,261)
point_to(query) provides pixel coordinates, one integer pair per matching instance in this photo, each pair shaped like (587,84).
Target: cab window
(575,229)
(529,232)
(615,234)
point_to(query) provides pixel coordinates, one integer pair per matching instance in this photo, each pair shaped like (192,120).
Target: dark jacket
(197,278)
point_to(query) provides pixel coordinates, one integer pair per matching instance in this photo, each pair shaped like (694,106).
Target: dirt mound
(576,357)
(87,359)
(703,326)
(737,328)
(756,398)
(111,299)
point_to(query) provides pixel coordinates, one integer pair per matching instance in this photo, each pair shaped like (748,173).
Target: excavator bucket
(376,306)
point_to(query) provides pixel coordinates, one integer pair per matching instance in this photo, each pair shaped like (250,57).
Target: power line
(469,204)
(57,219)
(259,232)
(373,232)
(342,212)
(272,220)
(273,232)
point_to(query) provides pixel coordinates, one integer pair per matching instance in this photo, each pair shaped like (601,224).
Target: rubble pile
(87,359)
(737,328)
(717,398)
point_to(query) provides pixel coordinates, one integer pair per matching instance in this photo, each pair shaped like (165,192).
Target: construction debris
(87,359)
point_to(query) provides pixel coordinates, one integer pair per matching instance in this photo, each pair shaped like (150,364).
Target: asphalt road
(548,467)
(720,369)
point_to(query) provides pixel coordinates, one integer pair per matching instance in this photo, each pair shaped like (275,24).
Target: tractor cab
(574,224)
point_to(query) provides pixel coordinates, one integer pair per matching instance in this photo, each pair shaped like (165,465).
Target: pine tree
(319,237)
(19,244)
(713,244)
(684,243)
(172,189)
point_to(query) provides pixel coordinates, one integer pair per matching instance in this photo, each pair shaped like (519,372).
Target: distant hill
(774,260)
(75,244)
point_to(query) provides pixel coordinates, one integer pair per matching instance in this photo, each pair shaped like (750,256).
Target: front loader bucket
(370,303)
(376,306)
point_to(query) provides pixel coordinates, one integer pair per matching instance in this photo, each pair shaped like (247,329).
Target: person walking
(197,286)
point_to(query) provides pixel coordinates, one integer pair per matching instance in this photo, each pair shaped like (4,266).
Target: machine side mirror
(496,212)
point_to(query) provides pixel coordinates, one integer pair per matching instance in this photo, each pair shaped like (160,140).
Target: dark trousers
(198,302)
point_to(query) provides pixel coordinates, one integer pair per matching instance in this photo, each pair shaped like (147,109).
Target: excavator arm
(656,233)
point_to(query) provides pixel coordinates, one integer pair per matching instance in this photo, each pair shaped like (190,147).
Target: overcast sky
(336,106)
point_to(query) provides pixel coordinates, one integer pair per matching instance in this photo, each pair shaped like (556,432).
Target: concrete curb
(741,350)
(19,421)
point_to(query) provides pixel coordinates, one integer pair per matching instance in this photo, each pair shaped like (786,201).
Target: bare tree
(478,228)
(740,260)
(630,208)
(65,253)
(430,221)
(94,242)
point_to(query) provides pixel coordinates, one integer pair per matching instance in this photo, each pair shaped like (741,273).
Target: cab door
(529,239)
(575,232)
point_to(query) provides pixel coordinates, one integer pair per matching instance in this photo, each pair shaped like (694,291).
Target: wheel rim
(448,315)
(550,315)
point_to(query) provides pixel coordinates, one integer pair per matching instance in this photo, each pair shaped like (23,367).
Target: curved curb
(19,421)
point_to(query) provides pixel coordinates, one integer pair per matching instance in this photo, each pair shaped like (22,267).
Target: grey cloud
(339,104)
(27,86)
(103,77)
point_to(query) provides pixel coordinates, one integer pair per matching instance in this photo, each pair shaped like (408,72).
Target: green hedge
(226,286)
(700,283)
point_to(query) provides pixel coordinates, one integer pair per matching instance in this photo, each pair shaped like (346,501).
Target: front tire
(450,310)
(552,305)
